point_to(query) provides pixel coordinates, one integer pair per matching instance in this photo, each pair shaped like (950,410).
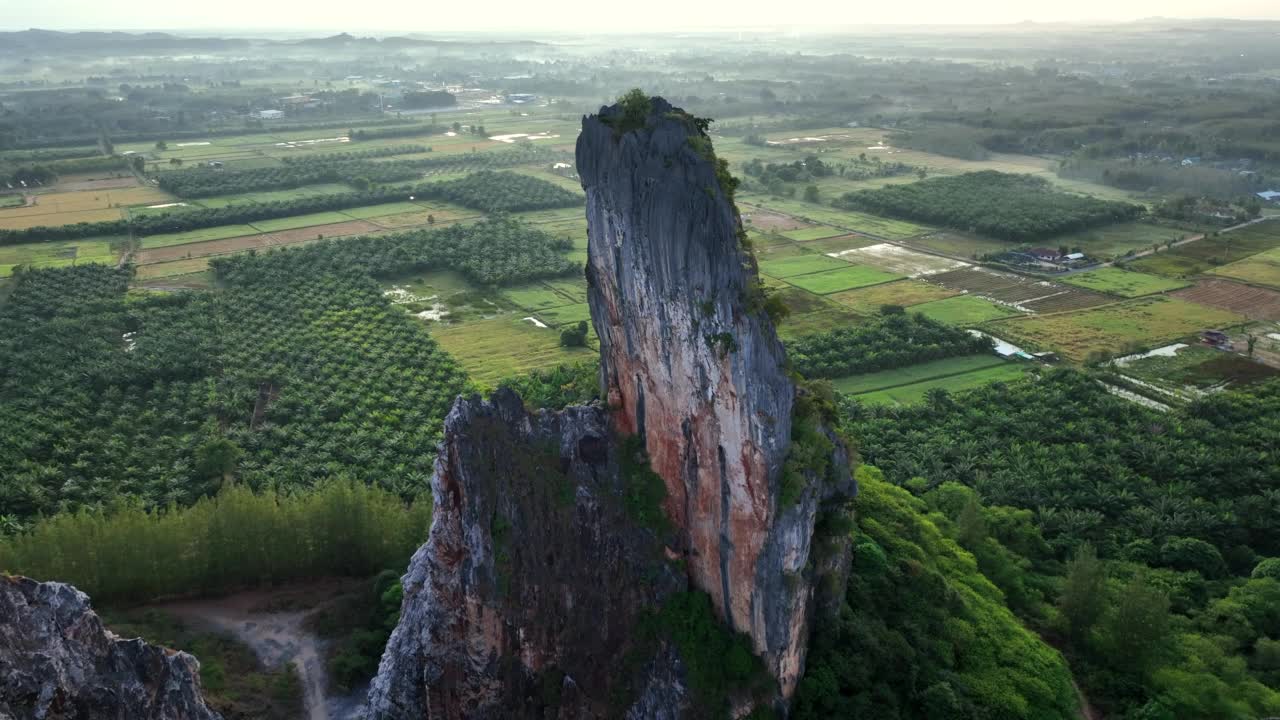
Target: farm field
(906,293)
(172,268)
(565,314)
(867,382)
(916,392)
(964,245)
(1262,269)
(1024,292)
(301,221)
(1254,303)
(272,195)
(770,222)
(10,220)
(845,219)
(799,264)
(1202,255)
(811,233)
(811,313)
(1199,367)
(845,278)
(836,245)
(963,310)
(1112,241)
(536,296)
(373,211)
(900,260)
(1121,327)
(194,236)
(55,254)
(490,350)
(1124,283)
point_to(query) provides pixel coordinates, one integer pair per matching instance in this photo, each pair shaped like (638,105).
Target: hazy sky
(400,16)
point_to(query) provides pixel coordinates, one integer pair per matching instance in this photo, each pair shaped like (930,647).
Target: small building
(1045,254)
(1074,257)
(1270,196)
(1216,338)
(521,98)
(269,114)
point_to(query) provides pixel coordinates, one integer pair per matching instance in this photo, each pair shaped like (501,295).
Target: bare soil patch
(766,221)
(75,183)
(1254,303)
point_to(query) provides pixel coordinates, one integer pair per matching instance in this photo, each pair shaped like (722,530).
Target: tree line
(368,154)
(125,552)
(496,191)
(892,340)
(1000,205)
(207,182)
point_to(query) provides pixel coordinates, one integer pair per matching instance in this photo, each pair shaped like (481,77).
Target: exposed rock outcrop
(525,597)
(693,364)
(525,600)
(57,661)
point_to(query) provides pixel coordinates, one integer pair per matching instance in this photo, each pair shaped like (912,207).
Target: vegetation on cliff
(923,633)
(1141,539)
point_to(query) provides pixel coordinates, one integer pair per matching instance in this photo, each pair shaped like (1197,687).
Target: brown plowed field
(1254,303)
(245,242)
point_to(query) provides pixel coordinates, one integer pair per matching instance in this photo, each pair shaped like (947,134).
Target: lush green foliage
(207,182)
(106,395)
(1095,467)
(558,387)
(499,251)
(501,192)
(1161,620)
(892,340)
(358,627)
(1001,205)
(922,633)
(367,154)
(126,553)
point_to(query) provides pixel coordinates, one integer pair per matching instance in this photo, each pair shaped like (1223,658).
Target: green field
(1262,269)
(55,254)
(214,233)
(963,310)
(1113,241)
(536,296)
(846,219)
(809,313)
(272,195)
(1124,283)
(1121,327)
(575,289)
(811,233)
(301,221)
(867,382)
(1222,249)
(802,264)
(565,314)
(903,292)
(502,347)
(373,211)
(915,392)
(1170,264)
(845,278)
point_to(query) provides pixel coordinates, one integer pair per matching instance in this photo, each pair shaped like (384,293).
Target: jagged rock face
(688,364)
(531,582)
(57,661)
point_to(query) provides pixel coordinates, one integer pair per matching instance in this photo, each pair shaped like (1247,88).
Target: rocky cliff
(524,600)
(558,535)
(691,362)
(57,661)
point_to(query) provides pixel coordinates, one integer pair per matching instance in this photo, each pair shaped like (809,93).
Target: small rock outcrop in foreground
(57,661)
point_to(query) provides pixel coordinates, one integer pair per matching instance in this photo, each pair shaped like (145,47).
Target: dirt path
(277,638)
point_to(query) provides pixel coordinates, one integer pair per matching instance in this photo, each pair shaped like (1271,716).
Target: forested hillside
(1157,564)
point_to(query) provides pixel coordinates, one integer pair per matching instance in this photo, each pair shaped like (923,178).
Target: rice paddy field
(914,392)
(847,220)
(1112,241)
(1126,326)
(501,347)
(56,254)
(868,382)
(1260,269)
(1254,303)
(963,310)
(906,293)
(800,265)
(1125,283)
(845,278)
